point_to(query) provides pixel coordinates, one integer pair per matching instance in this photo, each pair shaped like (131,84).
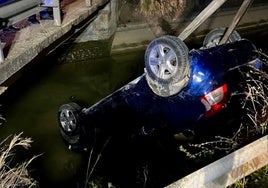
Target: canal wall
(122,26)
(137,33)
(96,39)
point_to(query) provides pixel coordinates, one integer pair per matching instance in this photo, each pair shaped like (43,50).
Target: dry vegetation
(15,175)
(169,10)
(253,101)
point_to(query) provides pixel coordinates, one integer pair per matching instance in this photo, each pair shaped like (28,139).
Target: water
(31,105)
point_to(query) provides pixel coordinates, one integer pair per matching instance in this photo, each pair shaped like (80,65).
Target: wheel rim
(167,65)
(67,120)
(215,41)
(163,62)
(214,37)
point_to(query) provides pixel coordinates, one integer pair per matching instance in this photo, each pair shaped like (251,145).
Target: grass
(257,179)
(259,120)
(15,174)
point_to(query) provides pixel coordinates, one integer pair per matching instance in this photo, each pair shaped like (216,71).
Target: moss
(86,50)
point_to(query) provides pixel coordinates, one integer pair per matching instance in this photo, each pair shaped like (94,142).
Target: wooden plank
(240,13)
(208,11)
(228,169)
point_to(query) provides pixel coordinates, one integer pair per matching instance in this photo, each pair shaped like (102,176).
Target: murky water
(31,106)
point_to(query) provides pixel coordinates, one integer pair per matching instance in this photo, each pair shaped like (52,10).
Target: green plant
(259,178)
(239,184)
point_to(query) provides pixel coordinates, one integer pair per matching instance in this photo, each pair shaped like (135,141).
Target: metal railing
(12,13)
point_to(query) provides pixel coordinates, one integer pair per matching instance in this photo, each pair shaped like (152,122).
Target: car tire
(213,38)
(69,122)
(167,65)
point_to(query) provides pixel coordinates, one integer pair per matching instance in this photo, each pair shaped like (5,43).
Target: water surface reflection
(31,104)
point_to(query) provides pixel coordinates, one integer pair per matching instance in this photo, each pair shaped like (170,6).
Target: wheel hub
(67,120)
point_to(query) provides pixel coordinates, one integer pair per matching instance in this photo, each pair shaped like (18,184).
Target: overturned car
(184,94)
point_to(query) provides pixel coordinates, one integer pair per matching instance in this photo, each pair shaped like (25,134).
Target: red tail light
(215,100)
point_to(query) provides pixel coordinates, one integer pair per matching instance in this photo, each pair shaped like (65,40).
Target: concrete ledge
(228,169)
(30,41)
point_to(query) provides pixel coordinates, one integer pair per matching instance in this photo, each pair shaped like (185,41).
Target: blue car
(183,94)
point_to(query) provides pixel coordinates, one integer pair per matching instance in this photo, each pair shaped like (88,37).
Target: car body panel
(136,109)
(209,68)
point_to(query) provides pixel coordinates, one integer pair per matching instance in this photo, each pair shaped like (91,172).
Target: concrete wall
(119,27)
(103,27)
(143,32)
(96,40)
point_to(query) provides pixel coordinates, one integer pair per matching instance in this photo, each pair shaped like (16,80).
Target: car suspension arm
(240,13)
(207,12)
